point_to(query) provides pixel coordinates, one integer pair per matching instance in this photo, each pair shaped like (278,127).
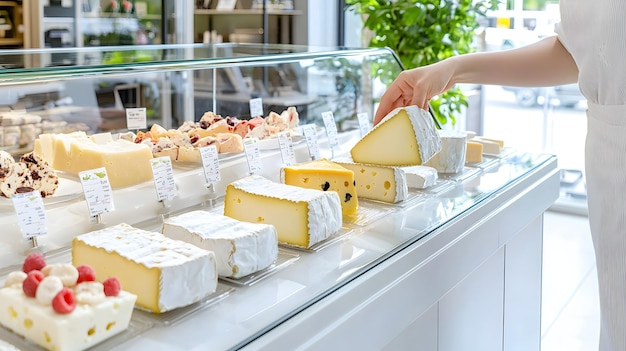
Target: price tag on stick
(256,107)
(163,176)
(136,118)
(286,148)
(331,130)
(97,190)
(310,135)
(31,214)
(210,164)
(364,123)
(253,154)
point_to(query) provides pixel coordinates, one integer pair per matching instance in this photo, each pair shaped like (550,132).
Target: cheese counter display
(305,212)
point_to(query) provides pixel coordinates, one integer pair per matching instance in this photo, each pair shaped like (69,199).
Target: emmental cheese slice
(240,248)
(405,137)
(302,217)
(376,182)
(327,176)
(164,274)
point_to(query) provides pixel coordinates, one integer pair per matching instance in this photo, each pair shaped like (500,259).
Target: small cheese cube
(474,152)
(327,176)
(302,217)
(405,137)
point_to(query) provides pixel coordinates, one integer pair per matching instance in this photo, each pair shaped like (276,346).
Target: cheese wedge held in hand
(405,137)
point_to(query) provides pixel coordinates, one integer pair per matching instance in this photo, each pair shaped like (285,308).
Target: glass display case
(457,225)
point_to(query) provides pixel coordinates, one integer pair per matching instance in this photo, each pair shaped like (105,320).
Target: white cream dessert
(240,248)
(302,217)
(164,274)
(61,307)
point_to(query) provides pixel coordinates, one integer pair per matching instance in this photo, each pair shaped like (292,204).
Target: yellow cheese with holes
(474,152)
(126,163)
(302,217)
(405,137)
(375,182)
(327,176)
(165,274)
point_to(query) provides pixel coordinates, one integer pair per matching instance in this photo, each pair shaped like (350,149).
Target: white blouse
(594,32)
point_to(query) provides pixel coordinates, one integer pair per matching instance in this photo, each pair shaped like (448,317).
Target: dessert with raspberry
(62,307)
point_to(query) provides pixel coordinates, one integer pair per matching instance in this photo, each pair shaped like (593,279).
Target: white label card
(136,118)
(253,154)
(286,148)
(163,176)
(364,122)
(331,128)
(31,214)
(310,135)
(97,190)
(210,163)
(256,107)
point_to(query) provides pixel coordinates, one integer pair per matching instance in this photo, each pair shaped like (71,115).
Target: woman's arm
(544,63)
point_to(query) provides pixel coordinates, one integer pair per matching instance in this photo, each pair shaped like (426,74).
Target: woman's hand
(416,87)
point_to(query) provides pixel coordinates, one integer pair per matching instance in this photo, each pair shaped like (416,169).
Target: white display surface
(371,288)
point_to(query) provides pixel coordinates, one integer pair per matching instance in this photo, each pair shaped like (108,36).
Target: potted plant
(422,32)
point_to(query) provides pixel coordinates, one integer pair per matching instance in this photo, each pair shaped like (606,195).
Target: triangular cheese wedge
(405,137)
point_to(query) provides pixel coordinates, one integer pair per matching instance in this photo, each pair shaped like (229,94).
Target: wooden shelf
(11,41)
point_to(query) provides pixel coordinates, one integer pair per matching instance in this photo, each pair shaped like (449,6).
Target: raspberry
(85,274)
(30,284)
(34,261)
(63,302)
(112,287)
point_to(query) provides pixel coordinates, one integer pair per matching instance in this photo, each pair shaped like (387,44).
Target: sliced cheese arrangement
(240,248)
(165,274)
(302,217)
(327,176)
(62,307)
(405,137)
(126,163)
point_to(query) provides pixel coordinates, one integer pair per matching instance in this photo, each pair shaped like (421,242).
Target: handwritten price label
(136,118)
(253,154)
(210,163)
(310,135)
(163,178)
(331,128)
(287,152)
(31,214)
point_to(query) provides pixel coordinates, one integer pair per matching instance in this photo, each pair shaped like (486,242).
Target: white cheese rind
(420,177)
(324,208)
(84,327)
(188,273)
(240,248)
(451,157)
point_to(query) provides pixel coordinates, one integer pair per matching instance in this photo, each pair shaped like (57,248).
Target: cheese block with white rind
(451,157)
(327,176)
(377,182)
(302,217)
(240,248)
(405,137)
(165,274)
